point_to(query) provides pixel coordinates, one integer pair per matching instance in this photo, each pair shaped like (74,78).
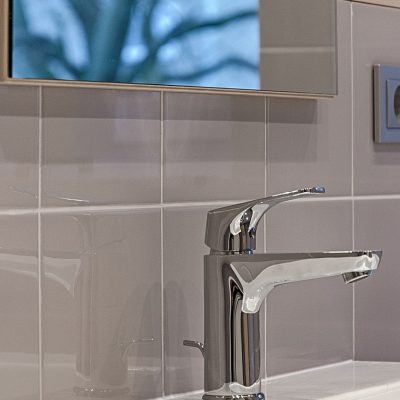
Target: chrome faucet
(236,283)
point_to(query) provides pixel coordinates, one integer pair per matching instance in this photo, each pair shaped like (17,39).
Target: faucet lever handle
(233,228)
(193,343)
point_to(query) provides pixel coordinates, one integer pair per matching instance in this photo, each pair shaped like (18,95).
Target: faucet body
(236,283)
(235,287)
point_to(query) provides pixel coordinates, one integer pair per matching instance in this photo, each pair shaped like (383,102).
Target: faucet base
(256,396)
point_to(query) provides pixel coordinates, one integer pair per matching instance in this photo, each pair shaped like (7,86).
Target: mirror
(268,45)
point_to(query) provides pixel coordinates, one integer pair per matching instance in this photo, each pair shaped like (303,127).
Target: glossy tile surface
(376,32)
(100,147)
(184,250)
(19,146)
(309,323)
(102,271)
(102,303)
(19,309)
(377,318)
(285,28)
(214,147)
(311,70)
(309,141)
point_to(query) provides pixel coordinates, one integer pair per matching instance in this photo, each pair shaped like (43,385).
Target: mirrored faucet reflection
(237,282)
(109,349)
(105,318)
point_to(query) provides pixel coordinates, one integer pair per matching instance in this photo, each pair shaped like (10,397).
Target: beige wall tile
(19,146)
(377,319)
(309,323)
(214,147)
(376,31)
(100,147)
(309,141)
(102,290)
(19,308)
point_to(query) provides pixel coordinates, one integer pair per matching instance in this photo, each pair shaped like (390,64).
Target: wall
(104,195)
(377,187)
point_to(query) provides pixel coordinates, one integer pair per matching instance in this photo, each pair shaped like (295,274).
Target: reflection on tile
(309,323)
(309,139)
(377,319)
(312,70)
(100,147)
(184,250)
(102,303)
(19,342)
(376,33)
(214,147)
(19,148)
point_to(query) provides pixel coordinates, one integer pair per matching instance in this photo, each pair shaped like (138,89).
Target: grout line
(266,135)
(189,204)
(162,154)
(40,267)
(266,122)
(352,98)
(162,245)
(19,212)
(162,305)
(344,198)
(128,207)
(192,204)
(352,172)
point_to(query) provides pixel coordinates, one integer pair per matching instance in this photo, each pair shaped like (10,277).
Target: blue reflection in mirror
(211,43)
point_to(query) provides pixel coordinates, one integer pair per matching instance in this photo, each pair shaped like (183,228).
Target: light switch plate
(387,104)
(393,103)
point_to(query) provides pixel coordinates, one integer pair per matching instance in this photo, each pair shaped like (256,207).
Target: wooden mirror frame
(6,79)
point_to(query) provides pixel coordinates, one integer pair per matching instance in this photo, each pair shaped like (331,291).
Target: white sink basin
(392,395)
(345,381)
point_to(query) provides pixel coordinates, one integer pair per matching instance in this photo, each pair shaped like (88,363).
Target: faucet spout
(235,287)
(282,269)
